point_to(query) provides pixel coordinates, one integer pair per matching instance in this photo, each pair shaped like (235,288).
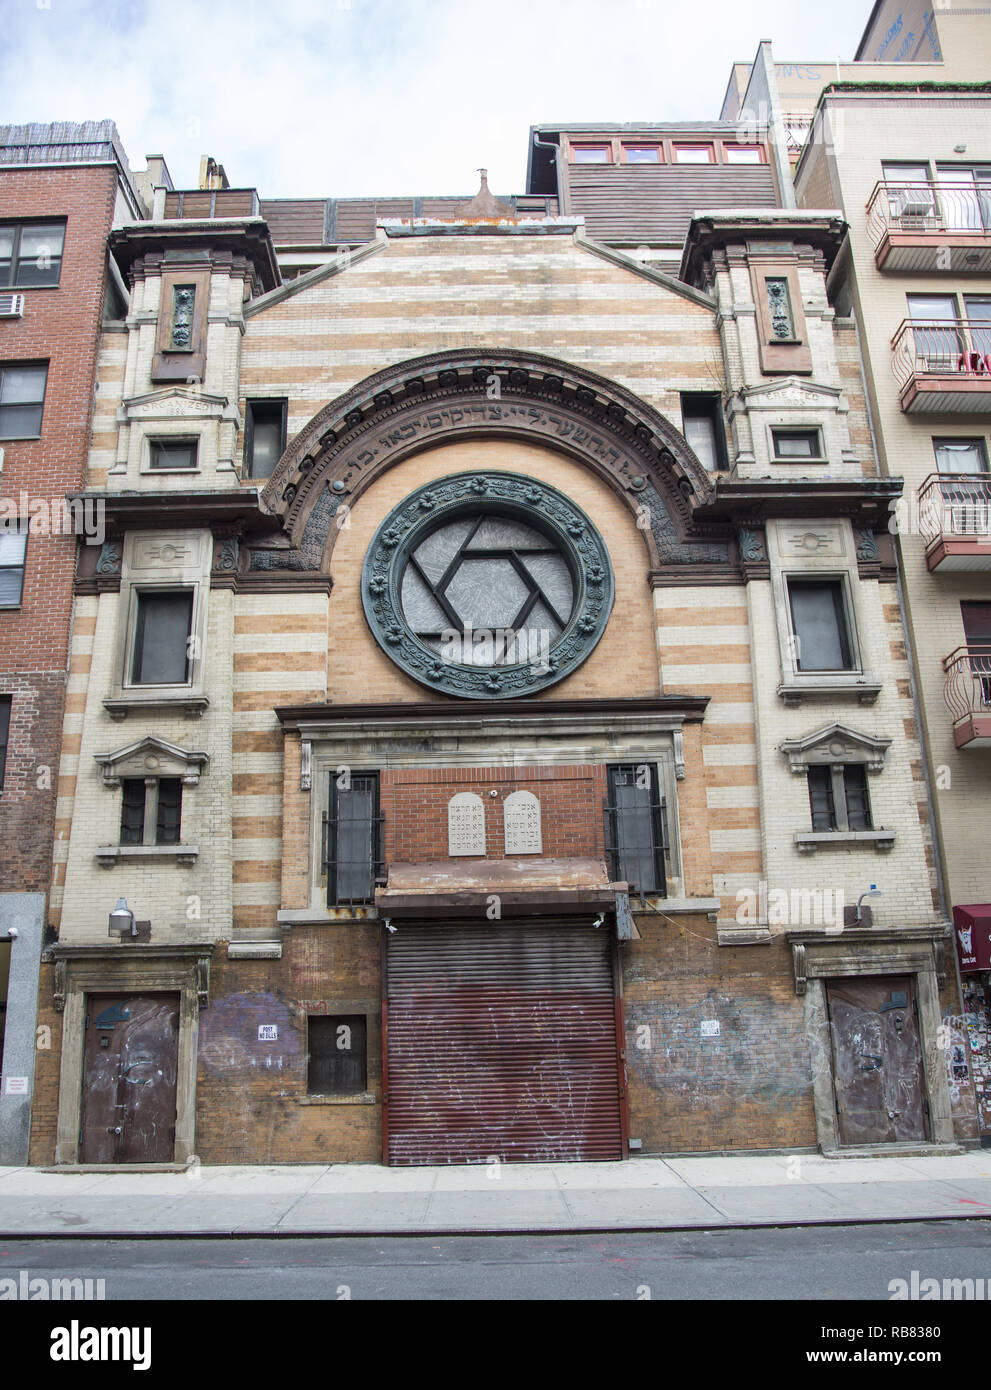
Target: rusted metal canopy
(440,888)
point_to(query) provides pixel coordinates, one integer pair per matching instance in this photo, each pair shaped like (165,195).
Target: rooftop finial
(484,206)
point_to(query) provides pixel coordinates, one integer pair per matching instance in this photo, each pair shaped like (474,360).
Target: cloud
(350,98)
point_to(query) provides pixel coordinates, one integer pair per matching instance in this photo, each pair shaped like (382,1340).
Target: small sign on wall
(710,1028)
(268,1032)
(17,1086)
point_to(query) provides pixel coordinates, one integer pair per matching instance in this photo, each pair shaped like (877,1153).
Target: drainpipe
(563,191)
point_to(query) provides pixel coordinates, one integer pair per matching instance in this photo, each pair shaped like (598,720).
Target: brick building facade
(62,188)
(481,767)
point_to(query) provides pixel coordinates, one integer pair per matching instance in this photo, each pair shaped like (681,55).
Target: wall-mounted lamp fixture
(122,920)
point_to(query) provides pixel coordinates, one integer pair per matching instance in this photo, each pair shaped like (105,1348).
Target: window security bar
(637,845)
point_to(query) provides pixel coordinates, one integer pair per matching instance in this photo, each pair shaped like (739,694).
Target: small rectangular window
(22,399)
(636,827)
(13,555)
(264,437)
(743,154)
(337,1055)
(839,798)
(168,454)
(642,154)
(961,455)
(5,703)
(169,818)
(162,630)
(821,798)
(702,423)
(693,154)
(591,154)
(797,444)
(134,819)
(353,839)
(30,254)
(819,624)
(132,816)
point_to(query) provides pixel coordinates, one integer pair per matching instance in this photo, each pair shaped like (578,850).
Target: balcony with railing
(955,521)
(967,692)
(943,365)
(931,226)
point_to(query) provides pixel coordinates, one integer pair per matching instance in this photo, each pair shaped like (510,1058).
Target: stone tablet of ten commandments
(465,824)
(521,820)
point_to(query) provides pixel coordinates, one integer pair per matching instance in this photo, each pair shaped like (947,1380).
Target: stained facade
(492,727)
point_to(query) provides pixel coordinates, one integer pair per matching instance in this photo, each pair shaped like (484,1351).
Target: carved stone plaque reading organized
(521,822)
(465,824)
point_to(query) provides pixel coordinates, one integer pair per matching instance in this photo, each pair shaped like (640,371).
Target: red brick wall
(60,325)
(415,801)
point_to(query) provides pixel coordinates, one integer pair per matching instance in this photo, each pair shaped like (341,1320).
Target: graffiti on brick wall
(235,1034)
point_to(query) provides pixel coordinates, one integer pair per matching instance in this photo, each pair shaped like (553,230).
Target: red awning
(972,929)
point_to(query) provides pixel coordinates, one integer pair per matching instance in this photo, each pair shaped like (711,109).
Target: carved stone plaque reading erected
(465,824)
(521,819)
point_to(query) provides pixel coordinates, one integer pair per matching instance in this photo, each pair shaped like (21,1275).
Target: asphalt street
(794,1263)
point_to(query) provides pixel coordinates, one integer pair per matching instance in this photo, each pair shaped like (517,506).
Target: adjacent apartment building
(493,731)
(62,188)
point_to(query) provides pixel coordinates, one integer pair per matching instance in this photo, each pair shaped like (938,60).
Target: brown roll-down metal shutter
(501,1041)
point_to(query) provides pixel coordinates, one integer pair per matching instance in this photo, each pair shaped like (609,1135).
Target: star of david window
(487,585)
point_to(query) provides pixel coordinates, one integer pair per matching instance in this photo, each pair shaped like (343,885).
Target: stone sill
(743,934)
(323,916)
(810,841)
(108,855)
(794,692)
(119,706)
(366,1099)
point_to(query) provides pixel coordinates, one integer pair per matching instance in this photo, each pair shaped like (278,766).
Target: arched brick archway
(511,395)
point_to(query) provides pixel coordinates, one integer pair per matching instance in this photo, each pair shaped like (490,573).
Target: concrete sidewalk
(351,1199)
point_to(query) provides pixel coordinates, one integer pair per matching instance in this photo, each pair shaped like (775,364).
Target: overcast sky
(312,98)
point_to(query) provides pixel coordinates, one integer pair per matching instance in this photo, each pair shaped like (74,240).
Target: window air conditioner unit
(916,205)
(11,306)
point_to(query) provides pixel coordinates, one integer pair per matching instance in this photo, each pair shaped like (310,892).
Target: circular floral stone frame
(507,495)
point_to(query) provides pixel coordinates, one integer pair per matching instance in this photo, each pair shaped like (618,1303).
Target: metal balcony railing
(960,208)
(941,347)
(955,506)
(967,689)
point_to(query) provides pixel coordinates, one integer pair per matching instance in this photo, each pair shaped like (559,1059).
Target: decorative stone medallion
(487,585)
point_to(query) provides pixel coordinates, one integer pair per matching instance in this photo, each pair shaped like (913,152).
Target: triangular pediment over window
(835,744)
(152,757)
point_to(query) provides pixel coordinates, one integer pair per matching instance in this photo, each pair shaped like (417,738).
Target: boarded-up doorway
(129,1078)
(877,1061)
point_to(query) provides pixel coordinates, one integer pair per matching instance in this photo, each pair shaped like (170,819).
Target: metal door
(877,1061)
(129,1078)
(502,1042)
